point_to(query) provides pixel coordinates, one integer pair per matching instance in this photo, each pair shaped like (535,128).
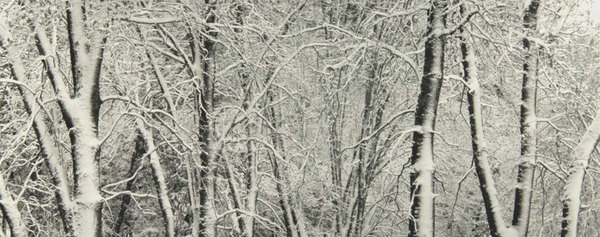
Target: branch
(458,26)
(152,21)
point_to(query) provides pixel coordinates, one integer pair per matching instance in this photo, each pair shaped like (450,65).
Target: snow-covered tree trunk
(136,161)
(252,191)
(487,185)
(421,222)
(81,114)
(160,180)
(252,165)
(572,191)
(528,122)
(82,212)
(204,55)
(11,212)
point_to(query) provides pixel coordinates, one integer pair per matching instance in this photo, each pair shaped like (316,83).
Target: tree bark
(421,222)
(159,178)
(48,145)
(10,211)
(252,165)
(203,59)
(487,185)
(572,190)
(528,123)
(136,161)
(82,113)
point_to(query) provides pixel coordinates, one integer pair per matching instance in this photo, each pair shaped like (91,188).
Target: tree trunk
(204,54)
(11,212)
(136,161)
(82,113)
(487,186)
(421,222)
(49,148)
(572,191)
(159,178)
(528,125)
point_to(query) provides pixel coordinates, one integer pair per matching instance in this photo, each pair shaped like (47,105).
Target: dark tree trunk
(421,178)
(525,175)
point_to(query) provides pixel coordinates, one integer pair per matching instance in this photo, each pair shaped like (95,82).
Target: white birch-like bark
(572,190)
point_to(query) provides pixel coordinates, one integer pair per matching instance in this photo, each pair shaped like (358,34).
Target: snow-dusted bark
(528,125)
(48,145)
(252,192)
(159,178)
(204,55)
(160,78)
(361,191)
(81,116)
(249,156)
(11,212)
(572,191)
(82,212)
(421,222)
(487,186)
(136,160)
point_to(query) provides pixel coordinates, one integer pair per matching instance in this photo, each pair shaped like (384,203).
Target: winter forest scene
(299,118)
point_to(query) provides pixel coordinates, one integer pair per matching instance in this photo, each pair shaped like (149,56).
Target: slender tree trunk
(252,166)
(288,215)
(421,222)
(252,191)
(10,211)
(136,161)
(572,190)
(528,125)
(487,186)
(363,154)
(160,180)
(204,54)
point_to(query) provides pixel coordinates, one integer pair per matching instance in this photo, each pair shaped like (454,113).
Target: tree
(421,222)
(572,190)
(80,109)
(294,118)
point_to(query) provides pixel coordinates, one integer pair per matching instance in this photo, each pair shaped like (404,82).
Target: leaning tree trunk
(159,179)
(572,191)
(421,222)
(9,207)
(487,186)
(136,161)
(528,125)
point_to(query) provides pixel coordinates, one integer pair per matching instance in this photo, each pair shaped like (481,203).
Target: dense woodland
(299,118)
